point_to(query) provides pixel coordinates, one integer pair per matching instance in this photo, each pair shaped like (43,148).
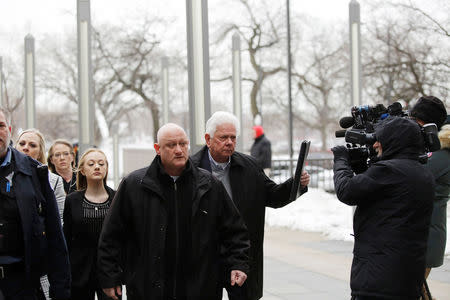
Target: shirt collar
(7,159)
(222,166)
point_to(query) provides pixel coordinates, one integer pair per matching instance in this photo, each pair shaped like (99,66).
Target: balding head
(173,148)
(168,128)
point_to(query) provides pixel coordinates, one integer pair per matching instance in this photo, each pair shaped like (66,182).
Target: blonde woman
(32,143)
(84,212)
(61,161)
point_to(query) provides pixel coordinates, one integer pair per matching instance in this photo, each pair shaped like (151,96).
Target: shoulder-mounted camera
(359,133)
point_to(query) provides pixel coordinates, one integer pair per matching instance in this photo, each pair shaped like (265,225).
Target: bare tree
(322,84)
(262,32)
(132,57)
(58,76)
(402,62)
(429,22)
(13,92)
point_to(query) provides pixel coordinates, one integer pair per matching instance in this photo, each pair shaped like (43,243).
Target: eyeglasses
(61,154)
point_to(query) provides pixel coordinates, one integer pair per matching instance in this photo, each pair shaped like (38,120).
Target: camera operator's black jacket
(394,202)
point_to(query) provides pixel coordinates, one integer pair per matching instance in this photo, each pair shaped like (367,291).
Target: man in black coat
(169,228)
(250,189)
(393,201)
(261,149)
(31,238)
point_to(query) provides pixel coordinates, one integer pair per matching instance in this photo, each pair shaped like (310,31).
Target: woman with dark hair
(61,161)
(84,212)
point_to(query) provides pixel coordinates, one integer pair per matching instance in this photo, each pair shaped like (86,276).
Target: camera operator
(393,208)
(429,109)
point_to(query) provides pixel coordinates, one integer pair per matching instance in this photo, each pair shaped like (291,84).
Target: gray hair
(163,129)
(219,118)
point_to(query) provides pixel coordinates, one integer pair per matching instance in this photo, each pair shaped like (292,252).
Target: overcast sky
(20,17)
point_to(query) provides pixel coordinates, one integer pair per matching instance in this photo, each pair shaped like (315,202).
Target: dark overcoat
(394,202)
(252,192)
(439,165)
(135,229)
(44,243)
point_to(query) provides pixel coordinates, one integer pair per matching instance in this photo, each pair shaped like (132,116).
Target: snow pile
(319,211)
(316,211)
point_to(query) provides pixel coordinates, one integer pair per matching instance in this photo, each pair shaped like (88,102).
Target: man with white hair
(249,188)
(168,227)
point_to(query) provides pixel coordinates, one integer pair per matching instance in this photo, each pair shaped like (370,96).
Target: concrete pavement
(305,265)
(302,265)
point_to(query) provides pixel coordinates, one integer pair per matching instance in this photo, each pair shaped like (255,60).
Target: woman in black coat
(84,212)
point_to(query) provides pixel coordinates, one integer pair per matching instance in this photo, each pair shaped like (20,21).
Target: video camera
(361,133)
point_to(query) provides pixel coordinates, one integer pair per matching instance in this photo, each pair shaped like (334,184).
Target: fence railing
(320,170)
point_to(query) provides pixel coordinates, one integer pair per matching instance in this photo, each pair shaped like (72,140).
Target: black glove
(340,151)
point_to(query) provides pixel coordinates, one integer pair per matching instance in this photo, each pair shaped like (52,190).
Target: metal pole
(165,89)
(355,52)
(116,160)
(237,90)
(1,81)
(291,150)
(198,70)
(30,106)
(390,80)
(85,86)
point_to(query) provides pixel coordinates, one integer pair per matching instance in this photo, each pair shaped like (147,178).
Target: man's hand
(238,277)
(112,292)
(340,151)
(304,179)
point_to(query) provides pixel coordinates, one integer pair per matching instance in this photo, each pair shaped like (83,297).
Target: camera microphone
(340,133)
(346,122)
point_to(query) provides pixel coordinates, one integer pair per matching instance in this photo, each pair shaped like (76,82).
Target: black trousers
(236,292)
(87,293)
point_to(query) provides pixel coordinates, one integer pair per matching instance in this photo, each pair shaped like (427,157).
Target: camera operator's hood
(399,138)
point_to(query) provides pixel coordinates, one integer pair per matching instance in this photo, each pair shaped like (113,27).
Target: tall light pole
(198,70)
(85,87)
(291,150)
(165,89)
(355,52)
(30,107)
(1,81)
(116,160)
(237,87)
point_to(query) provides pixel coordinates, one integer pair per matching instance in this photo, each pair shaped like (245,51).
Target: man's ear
(10,129)
(207,139)
(157,148)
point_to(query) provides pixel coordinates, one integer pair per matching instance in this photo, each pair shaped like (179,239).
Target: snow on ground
(316,211)
(319,211)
